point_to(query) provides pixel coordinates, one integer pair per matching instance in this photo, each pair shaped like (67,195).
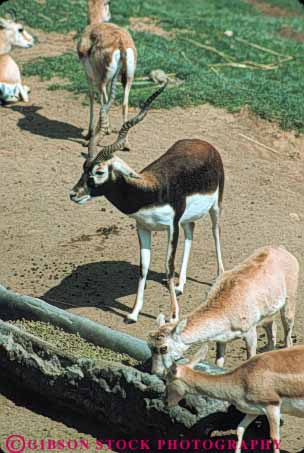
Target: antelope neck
(222,386)
(4,47)
(130,195)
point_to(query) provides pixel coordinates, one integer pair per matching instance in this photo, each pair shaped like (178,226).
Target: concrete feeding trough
(105,390)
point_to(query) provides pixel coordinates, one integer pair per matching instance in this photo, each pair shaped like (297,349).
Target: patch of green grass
(272,94)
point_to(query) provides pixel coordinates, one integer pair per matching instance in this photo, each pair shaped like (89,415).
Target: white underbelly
(293,406)
(228,336)
(250,408)
(289,406)
(198,205)
(161,217)
(155,218)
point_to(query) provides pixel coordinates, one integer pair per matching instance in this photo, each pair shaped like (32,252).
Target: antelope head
(102,170)
(99,11)
(166,344)
(15,35)
(106,15)
(98,176)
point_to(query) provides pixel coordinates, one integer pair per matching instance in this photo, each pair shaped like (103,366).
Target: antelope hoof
(130,319)
(173,319)
(220,363)
(164,281)
(220,272)
(179,290)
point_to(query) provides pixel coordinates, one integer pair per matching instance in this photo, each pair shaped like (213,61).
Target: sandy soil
(85,259)
(271,10)
(47,44)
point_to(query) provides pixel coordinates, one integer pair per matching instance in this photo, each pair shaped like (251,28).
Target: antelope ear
(130,174)
(123,169)
(161,320)
(3,23)
(180,327)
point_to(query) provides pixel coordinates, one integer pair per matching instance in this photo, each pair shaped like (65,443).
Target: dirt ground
(85,258)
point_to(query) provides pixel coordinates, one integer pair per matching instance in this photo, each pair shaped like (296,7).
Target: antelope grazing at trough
(102,47)
(12,34)
(177,189)
(248,296)
(268,384)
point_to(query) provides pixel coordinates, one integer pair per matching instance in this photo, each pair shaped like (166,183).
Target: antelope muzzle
(81,193)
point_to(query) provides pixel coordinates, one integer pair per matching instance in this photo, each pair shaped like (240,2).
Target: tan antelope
(102,47)
(181,186)
(12,34)
(268,384)
(248,296)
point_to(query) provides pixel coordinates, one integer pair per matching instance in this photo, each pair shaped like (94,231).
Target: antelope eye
(163,350)
(20,30)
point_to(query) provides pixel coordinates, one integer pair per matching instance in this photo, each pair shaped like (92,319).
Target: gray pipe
(37,309)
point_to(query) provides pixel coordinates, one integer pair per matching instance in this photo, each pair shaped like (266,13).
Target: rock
(228,33)
(158,76)
(295,217)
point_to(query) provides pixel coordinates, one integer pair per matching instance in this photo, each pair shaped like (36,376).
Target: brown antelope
(12,34)
(268,384)
(177,189)
(101,49)
(249,295)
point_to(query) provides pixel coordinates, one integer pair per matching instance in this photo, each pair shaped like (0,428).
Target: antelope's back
(289,264)
(104,38)
(278,373)
(193,165)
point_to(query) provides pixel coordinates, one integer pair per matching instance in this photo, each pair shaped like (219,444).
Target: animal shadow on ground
(38,124)
(99,285)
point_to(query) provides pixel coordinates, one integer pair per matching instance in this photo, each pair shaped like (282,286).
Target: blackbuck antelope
(248,296)
(177,189)
(102,47)
(12,34)
(268,384)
